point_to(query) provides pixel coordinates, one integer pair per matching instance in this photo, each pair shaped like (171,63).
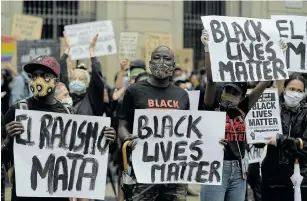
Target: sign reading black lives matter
(263,120)
(28,50)
(177,146)
(61,155)
(244,49)
(293,30)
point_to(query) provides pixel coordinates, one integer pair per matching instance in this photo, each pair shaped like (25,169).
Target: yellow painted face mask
(42,86)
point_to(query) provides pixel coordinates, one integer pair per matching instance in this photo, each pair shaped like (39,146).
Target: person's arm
(95,91)
(257,92)
(211,86)
(17,91)
(63,63)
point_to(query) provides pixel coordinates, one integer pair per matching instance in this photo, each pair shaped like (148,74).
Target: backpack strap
(23,104)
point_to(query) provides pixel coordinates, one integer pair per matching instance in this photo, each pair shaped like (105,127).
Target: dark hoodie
(91,102)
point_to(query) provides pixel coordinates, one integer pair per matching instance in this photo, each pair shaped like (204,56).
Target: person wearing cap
(44,75)
(234,101)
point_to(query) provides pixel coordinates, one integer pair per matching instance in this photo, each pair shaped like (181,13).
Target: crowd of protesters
(49,85)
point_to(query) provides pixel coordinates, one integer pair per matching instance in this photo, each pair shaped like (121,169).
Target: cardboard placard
(184,58)
(61,155)
(244,49)
(27,27)
(28,50)
(173,143)
(80,36)
(263,120)
(292,30)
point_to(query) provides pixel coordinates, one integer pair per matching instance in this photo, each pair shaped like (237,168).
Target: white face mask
(293,98)
(67,101)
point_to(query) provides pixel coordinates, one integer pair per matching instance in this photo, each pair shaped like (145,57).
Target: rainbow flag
(8,48)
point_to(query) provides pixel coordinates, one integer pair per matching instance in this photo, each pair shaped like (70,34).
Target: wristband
(300,142)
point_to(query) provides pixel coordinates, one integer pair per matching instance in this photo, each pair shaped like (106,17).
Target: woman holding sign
(284,149)
(234,101)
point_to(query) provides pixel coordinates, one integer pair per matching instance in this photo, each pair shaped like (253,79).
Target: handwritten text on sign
(263,120)
(293,30)
(244,49)
(128,45)
(27,27)
(254,154)
(178,146)
(80,36)
(61,155)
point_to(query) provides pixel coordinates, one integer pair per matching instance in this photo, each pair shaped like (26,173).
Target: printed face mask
(42,86)
(77,87)
(293,98)
(161,70)
(67,101)
(229,100)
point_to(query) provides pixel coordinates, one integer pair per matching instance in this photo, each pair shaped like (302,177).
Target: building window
(57,14)
(193,26)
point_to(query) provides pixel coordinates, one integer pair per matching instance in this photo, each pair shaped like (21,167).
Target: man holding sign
(44,73)
(155,93)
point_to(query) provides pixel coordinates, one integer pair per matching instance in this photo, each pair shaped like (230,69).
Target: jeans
(233,186)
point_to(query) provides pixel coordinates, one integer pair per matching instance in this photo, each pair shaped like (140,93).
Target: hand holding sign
(67,42)
(272,140)
(14,128)
(109,134)
(205,37)
(92,45)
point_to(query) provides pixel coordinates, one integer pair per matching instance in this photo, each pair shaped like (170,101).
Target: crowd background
(181,19)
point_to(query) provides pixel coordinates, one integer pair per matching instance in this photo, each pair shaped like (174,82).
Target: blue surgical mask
(77,87)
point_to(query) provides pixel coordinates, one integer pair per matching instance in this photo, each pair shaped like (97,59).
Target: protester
(139,96)
(194,80)
(84,89)
(236,104)
(44,74)
(6,79)
(284,148)
(4,143)
(20,88)
(62,94)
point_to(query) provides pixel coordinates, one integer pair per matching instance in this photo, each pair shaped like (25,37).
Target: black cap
(137,64)
(240,86)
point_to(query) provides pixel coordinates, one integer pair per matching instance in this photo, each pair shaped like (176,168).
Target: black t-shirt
(235,130)
(143,95)
(10,116)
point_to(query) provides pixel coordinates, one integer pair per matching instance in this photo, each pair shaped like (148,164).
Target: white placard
(293,30)
(49,162)
(128,44)
(294,4)
(188,152)
(80,36)
(244,49)
(254,154)
(194,99)
(263,120)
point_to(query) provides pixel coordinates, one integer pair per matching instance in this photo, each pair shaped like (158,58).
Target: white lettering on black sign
(64,152)
(174,147)
(250,46)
